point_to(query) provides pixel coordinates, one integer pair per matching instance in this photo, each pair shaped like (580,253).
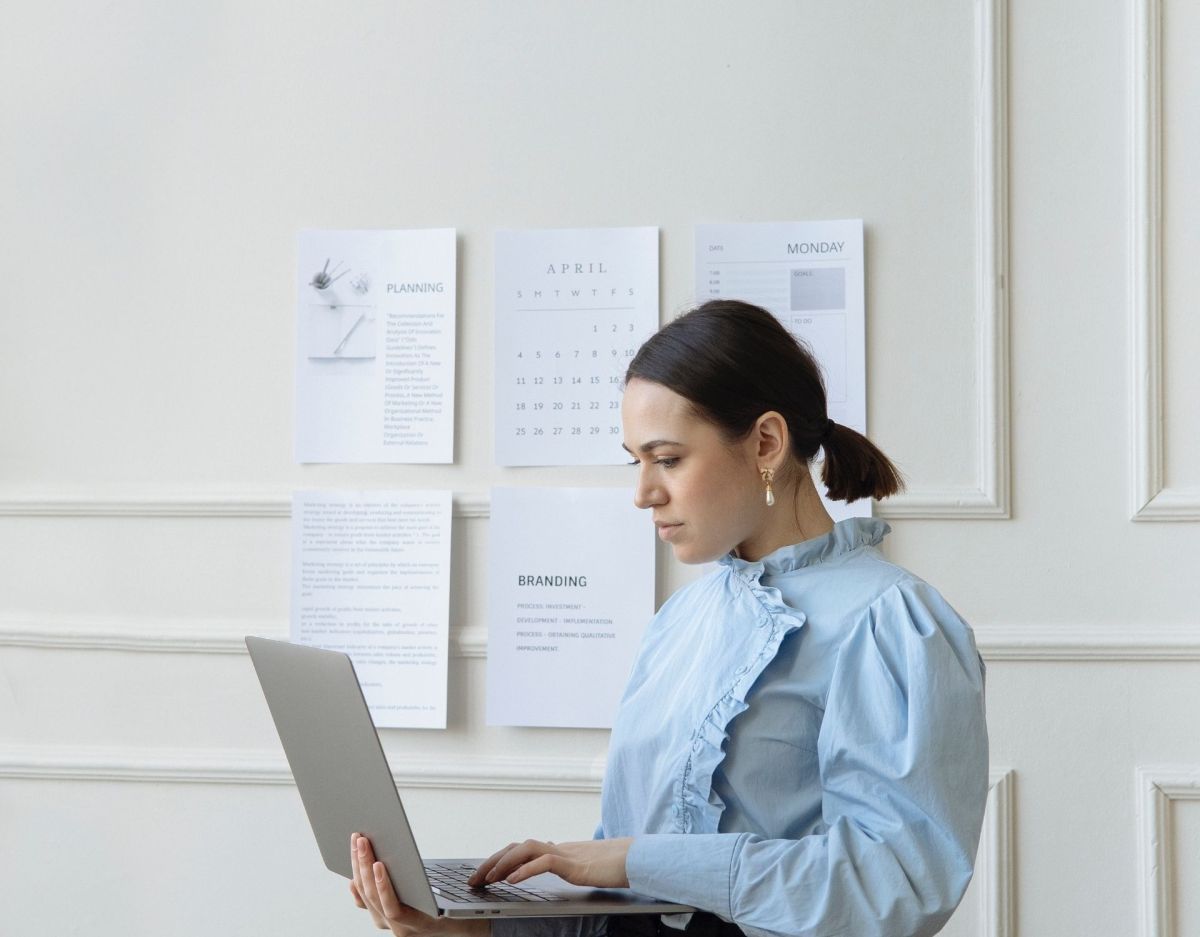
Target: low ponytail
(855,467)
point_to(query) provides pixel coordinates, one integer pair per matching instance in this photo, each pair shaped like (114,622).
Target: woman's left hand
(372,891)
(596,862)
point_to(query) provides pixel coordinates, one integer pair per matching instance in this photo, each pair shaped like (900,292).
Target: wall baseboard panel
(995,865)
(1157,788)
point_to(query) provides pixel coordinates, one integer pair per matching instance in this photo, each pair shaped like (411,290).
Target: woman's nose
(647,494)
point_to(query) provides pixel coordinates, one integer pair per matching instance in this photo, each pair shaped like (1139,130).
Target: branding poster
(375,317)
(572,308)
(809,275)
(571,590)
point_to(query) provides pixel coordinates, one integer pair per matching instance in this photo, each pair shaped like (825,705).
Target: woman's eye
(634,462)
(668,462)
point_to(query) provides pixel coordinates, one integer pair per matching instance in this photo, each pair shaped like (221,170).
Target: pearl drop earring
(768,475)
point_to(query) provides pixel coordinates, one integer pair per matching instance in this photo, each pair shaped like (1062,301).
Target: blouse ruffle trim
(846,537)
(698,807)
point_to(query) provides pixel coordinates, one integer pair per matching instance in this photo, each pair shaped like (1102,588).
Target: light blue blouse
(801,748)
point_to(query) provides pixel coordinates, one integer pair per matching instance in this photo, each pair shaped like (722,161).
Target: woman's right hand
(372,891)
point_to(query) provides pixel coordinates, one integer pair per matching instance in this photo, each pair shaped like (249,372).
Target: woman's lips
(667,531)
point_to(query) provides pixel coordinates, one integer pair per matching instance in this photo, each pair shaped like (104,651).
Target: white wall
(1031,205)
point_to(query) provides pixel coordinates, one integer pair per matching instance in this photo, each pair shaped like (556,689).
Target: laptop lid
(346,786)
(338,763)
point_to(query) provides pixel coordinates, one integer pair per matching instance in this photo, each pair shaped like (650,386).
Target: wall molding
(1150,498)
(990,495)
(1157,788)
(240,766)
(273,504)
(1074,642)
(488,772)
(995,867)
(1089,642)
(173,636)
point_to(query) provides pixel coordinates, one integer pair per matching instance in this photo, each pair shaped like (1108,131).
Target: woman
(801,749)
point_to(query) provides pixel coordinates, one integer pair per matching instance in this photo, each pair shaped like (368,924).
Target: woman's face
(705,495)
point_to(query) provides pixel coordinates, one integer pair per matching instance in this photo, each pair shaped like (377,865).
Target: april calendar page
(572,308)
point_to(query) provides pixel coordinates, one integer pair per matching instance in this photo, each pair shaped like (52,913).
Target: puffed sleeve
(903,760)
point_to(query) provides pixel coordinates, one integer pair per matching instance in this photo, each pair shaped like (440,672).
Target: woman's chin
(689,555)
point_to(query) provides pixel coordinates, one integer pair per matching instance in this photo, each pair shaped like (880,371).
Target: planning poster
(809,274)
(370,578)
(570,592)
(572,308)
(375,346)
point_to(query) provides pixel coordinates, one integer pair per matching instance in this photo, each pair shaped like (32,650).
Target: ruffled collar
(846,536)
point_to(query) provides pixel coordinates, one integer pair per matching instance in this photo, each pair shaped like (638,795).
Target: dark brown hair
(734,362)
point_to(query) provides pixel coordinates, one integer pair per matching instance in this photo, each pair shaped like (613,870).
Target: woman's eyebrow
(651,445)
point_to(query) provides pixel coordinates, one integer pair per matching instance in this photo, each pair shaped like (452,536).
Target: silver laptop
(346,786)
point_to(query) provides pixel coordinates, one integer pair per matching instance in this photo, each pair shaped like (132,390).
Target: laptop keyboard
(450,881)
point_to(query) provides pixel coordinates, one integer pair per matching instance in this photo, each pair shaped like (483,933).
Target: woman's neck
(798,514)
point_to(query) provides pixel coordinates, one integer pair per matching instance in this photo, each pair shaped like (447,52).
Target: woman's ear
(771,441)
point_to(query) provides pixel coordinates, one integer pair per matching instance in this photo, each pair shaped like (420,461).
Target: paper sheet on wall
(572,308)
(571,588)
(370,577)
(808,274)
(375,346)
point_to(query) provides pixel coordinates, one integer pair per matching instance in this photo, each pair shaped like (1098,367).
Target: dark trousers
(702,924)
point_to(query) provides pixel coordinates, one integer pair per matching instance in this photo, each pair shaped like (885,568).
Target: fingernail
(379,871)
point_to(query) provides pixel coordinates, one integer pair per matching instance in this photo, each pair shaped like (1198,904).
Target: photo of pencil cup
(324,278)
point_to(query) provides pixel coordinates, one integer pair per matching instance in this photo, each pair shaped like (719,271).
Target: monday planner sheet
(809,275)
